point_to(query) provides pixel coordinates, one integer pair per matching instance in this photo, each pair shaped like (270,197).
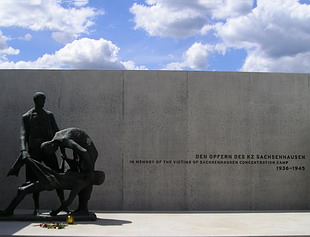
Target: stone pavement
(174,224)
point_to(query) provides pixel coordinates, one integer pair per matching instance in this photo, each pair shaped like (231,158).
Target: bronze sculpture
(40,138)
(80,178)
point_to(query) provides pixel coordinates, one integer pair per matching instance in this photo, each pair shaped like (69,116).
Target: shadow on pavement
(105,222)
(11,228)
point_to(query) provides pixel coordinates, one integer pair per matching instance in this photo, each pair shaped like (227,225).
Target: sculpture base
(46,217)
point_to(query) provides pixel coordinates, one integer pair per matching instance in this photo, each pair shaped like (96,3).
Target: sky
(204,35)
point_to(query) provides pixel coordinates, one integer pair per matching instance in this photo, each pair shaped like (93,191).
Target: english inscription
(295,162)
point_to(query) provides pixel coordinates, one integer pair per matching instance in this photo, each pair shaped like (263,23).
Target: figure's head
(98,177)
(39,99)
(49,147)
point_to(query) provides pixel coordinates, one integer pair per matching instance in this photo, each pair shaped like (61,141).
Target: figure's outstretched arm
(54,124)
(73,145)
(82,152)
(63,152)
(23,139)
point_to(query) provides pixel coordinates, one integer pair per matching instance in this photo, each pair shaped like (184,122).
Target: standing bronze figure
(38,126)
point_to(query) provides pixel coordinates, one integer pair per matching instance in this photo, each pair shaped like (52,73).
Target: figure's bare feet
(81,212)
(67,210)
(35,212)
(53,213)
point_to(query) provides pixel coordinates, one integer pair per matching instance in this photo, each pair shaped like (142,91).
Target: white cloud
(89,53)
(278,28)
(26,37)
(80,54)
(130,65)
(64,37)
(196,57)
(5,49)
(231,8)
(3,40)
(183,18)
(48,15)
(276,36)
(80,3)
(298,63)
(161,21)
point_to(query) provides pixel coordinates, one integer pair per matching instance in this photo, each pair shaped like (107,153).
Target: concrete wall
(183,124)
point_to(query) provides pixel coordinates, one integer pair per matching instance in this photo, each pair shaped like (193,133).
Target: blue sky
(210,35)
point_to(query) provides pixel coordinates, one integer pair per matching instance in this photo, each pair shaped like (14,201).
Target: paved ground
(174,224)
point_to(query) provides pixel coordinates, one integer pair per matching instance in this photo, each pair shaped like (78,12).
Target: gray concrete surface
(174,224)
(167,118)
(155,110)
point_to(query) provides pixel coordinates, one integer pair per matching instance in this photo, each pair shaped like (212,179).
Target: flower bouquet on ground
(53,225)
